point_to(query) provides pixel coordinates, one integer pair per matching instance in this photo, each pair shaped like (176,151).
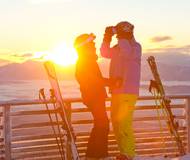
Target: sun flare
(63,55)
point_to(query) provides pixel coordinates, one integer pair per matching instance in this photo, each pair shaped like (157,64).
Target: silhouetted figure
(92,87)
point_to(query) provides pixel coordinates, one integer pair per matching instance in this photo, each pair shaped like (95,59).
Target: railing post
(7,131)
(68,144)
(188,123)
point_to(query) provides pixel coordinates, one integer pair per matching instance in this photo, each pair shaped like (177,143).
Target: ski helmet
(124,26)
(124,30)
(83,39)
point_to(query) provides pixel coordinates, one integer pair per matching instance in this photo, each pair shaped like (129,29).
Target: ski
(157,85)
(56,92)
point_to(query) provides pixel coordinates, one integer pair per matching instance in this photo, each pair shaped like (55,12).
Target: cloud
(5,53)
(160,39)
(26,55)
(20,57)
(12,56)
(171,49)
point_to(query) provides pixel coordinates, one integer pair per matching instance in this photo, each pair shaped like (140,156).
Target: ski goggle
(89,39)
(127,28)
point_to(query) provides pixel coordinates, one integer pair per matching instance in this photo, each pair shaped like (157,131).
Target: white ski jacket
(125,64)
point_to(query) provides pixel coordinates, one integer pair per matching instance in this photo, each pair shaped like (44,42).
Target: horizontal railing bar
(36,154)
(136,119)
(88,121)
(75,100)
(84,121)
(36,125)
(80,110)
(146,150)
(84,138)
(49,157)
(181,96)
(33,112)
(34,143)
(33,131)
(31,137)
(139,107)
(137,131)
(139,142)
(26,102)
(38,148)
(146,139)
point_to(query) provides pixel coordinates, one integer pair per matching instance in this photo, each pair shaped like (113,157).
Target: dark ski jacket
(89,77)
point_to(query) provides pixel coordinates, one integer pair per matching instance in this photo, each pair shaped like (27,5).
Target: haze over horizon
(33,26)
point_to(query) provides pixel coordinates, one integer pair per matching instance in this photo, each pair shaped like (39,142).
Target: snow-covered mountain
(171,67)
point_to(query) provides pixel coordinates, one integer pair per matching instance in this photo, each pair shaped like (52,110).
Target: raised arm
(105,49)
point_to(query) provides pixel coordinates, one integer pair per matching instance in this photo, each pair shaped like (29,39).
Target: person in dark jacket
(93,92)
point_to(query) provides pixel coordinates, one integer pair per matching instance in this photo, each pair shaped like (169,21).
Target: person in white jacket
(125,65)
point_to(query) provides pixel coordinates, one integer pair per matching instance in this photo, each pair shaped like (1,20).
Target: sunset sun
(63,54)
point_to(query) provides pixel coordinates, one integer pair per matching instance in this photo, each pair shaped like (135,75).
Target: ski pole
(42,96)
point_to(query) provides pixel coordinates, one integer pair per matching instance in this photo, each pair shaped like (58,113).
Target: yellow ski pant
(122,108)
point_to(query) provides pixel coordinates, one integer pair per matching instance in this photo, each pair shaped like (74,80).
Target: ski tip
(151,58)
(48,62)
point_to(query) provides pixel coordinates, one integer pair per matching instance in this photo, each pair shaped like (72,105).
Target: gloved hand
(115,82)
(109,32)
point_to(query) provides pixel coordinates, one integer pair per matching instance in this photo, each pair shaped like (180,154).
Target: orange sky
(38,26)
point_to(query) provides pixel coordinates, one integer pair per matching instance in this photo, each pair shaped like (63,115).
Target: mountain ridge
(169,69)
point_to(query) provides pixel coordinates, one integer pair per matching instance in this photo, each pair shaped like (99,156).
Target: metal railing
(25,130)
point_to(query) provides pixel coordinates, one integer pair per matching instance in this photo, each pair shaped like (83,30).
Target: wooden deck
(26,133)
